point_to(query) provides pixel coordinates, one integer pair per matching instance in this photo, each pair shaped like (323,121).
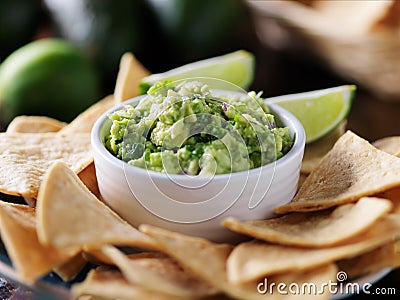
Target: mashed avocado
(191,129)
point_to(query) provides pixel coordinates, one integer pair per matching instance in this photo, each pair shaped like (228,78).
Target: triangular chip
(208,261)
(372,261)
(96,255)
(389,144)
(110,284)
(88,177)
(390,20)
(344,21)
(314,152)
(144,269)
(25,157)
(252,260)
(352,169)
(315,229)
(34,124)
(70,215)
(71,268)
(30,258)
(183,248)
(84,122)
(394,196)
(130,73)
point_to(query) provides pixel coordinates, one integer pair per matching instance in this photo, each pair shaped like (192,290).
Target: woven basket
(370,59)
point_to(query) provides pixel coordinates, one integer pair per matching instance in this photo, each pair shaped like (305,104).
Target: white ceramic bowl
(196,205)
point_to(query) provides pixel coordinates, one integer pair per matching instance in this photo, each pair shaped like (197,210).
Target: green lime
(47,77)
(236,67)
(319,111)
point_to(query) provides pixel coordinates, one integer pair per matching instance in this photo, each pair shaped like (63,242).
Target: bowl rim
(284,115)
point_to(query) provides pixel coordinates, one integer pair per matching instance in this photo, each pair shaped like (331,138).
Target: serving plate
(48,288)
(52,287)
(366,279)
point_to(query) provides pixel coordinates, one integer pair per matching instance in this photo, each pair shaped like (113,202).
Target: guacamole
(189,128)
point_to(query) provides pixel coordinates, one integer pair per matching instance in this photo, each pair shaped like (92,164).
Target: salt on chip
(208,261)
(70,215)
(351,170)
(145,269)
(84,122)
(110,284)
(25,157)
(34,124)
(389,144)
(30,258)
(372,261)
(315,229)
(314,152)
(252,260)
(130,73)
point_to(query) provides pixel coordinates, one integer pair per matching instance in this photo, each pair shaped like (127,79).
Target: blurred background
(298,45)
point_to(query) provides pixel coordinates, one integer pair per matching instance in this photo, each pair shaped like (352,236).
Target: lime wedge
(236,67)
(319,111)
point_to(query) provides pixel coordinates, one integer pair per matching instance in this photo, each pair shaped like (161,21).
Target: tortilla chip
(346,21)
(30,258)
(70,215)
(315,229)
(389,144)
(109,283)
(25,157)
(34,124)
(306,2)
(193,254)
(252,260)
(348,172)
(131,72)
(390,20)
(144,269)
(394,196)
(84,122)
(71,268)
(96,255)
(208,261)
(314,152)
(89,298)
(372,261)
(88,177)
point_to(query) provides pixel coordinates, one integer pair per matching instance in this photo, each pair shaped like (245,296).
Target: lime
(236,67)
(48,77)
(319,111)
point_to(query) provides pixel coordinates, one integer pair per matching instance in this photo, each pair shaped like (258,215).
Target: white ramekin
(196,205)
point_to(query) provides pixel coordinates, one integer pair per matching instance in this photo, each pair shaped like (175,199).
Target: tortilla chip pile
(345,216)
